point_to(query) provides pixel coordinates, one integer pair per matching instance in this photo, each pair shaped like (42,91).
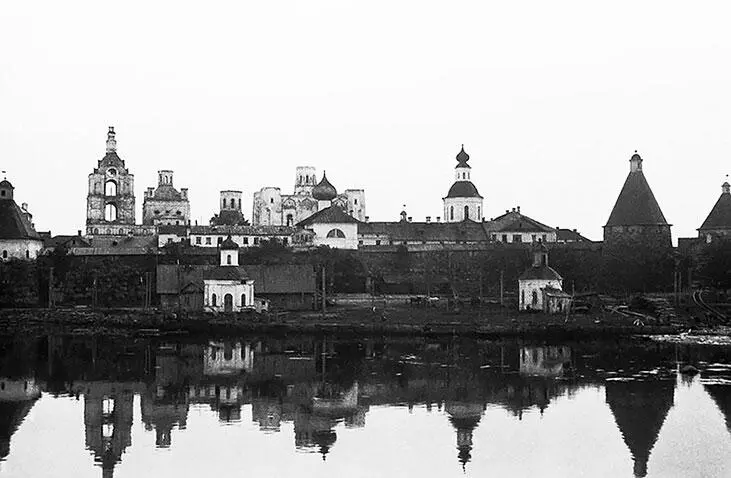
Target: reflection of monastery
(324,388)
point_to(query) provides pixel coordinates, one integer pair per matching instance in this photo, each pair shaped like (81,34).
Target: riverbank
(403,320)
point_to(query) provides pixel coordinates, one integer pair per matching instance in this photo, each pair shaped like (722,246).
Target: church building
(110,202)
(272,208)
(165,205)
(18,238)
(226,287)
(718,222)
(540,287)
(463,202)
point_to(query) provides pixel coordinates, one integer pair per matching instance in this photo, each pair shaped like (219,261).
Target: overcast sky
(549,98)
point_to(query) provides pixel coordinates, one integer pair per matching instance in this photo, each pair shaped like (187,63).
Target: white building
(226,287)
(18,238)
(272,208)
(540,287)
(463,202)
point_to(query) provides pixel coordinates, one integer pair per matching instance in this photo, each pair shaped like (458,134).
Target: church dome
(324,191)
(5,184)
(462,158)
(463,189)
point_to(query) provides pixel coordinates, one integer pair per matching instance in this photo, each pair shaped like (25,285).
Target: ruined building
(165,205)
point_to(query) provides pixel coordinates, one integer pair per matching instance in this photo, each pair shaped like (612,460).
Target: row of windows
(227,299)
(27,254)
(208,240)
(232,203)
(519,237)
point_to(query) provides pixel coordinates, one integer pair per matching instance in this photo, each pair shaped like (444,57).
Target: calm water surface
(332,406)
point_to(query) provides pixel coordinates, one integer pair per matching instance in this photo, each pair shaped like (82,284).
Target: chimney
(439,219)
(78,232)
(409,218)
(428,219)
(507,211)
(574,230)
(518,209)
(367,218)
(184,193)
(513,210)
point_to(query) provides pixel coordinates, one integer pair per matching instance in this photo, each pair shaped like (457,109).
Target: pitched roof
(540,273)
(68,241)
(13,222)
(636,205)
(463,189)
(242,230)
(165,192)
(568,235)
(329,215)
(225,273)
(720,215)
(464,231)
(268,279)
(515,221)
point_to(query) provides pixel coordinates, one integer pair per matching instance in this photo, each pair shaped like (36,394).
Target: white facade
(25,249)
(222,360)
(228,295)
(519,236)
(531,292)
(458,209)
(335,235)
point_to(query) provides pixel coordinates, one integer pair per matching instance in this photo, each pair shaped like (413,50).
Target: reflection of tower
(227,358)
(17,397)
(545,361)
(163,409)
(639,409)
(108,421)
(464,417)
(721,394)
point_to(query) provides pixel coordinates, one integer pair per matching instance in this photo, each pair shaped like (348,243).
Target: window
(219,240)
(213,300)
(478,213)
(451,213)
(243,300)
(178,213)
(112,172)
(522,297)
(336,233)
(5,254)
(517,238)
(533,238)
(271,200)
(285,241)
(233,203)
(223,203)
(170,240)
(208,241)
(110,188)
(544,238)
(466,212)
(27,254)
(2,193)
(290,220)
(110,212)
(198,240)
(228,259)
(378,242)
(535,298)
(256,241)
(505,238)
(239,203)
(246,241)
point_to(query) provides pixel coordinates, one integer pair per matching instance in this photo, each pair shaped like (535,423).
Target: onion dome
(229,244)
(324,191)
(462,158)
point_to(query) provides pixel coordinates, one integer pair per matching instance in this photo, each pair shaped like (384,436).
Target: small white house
(540,287)
(226,287)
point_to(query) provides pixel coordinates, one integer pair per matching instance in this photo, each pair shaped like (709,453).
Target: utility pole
(501,288)
(50,288)
(323,291)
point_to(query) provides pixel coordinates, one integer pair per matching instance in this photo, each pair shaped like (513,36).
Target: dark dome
(463,189)
(324,191)
(229,244)
(540,273)
(462,158)
(635,157)
(5,184)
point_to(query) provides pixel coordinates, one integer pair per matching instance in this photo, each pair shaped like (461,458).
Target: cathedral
(165,205)
(272,208)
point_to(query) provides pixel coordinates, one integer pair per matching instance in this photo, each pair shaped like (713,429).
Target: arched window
(451,213)
(110,212)
(290,219)
(522,297)
(228,259)
(5,254)
(27,254)
(223,203)
(233,203)
(239,203)
(213,300)
(479,216)
(466,212)
(110,188)
(336,233)
(96,230)
(243,301)
(535,297)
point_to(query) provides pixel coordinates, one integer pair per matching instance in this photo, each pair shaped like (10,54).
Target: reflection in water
(321,386)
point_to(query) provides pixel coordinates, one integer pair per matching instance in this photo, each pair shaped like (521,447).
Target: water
(335,406)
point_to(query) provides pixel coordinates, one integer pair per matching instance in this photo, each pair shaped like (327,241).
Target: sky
(550,100)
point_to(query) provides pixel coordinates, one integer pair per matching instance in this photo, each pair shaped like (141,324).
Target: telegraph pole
(323,291)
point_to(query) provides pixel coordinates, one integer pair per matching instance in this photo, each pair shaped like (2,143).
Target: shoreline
(489,324)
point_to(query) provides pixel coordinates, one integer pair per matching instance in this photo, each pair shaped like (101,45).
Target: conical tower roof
(636,205)
(720,215)
(639,409)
